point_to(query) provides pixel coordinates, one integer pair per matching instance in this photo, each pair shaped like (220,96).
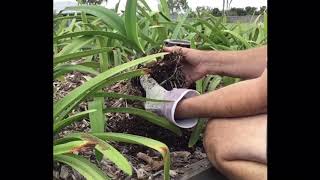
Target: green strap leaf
(178,27)
(107,150)
(214,83)
(124,96)
(131,22)
(110,35)
(78,55)
(145,5)
(164,8)
(75,45)
(82,165)
(69,104)
(195,135)
(63,69)
(71,147)
(240,38)
(97,118)
(134,139)
(80,92)
(149,116)
(107,16)
(65,122)
(95,88)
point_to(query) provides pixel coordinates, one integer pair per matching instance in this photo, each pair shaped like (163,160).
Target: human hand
(194,63)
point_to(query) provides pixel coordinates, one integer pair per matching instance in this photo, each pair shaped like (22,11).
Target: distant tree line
(231,12)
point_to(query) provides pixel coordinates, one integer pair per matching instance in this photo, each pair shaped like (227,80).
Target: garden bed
(146,162)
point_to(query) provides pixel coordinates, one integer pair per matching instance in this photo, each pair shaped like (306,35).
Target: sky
(60,4)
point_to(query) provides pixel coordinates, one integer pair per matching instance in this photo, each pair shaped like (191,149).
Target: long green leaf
(165,17)
(145,5)
(82,165)
(78,55)
(237,36)
(97,118)
(93,65)
(199,85)
(124,96)
(131,22)
(149,116)
(195,135)
(178,27)
(70,147)
(60,70)
(107,16)
(143,14)
(164,8)
(75,99)
(103,56)
(117,57)
(206,82)
(63,123)
(107,150)
(85,88)
(134,139)
(214,83)
(217,32)
(256,34)
(149,40)
(192,29)
(111,35)
(91,33)
(75,45)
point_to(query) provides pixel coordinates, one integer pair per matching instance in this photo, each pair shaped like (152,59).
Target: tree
(216,12)
(177,5)
(262,9)
(250,10)
(206,9)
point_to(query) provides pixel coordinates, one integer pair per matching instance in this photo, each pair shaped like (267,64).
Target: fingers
(176,49)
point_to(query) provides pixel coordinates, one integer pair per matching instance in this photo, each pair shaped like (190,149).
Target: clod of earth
(167,72)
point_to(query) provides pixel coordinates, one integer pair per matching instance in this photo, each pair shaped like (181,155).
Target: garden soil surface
(146,162)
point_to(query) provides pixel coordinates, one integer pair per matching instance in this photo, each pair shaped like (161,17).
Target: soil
(168,72)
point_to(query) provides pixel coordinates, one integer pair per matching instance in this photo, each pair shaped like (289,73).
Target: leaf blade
(134,139)
(107,16)
(152,117)
(107,150)
(101,78)
(131,22)
(60,124)
(82,165)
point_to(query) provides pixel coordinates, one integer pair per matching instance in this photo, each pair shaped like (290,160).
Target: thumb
(176,49)
(169,49)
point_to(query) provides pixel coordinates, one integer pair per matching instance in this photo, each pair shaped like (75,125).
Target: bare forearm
(240,99)
(246,64)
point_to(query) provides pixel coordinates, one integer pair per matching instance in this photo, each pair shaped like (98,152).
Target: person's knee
(224,139)
(213,144)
